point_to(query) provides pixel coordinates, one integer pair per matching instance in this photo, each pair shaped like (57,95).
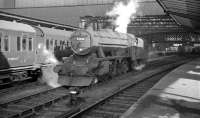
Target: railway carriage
(16,44)
(22,46)
(17,50)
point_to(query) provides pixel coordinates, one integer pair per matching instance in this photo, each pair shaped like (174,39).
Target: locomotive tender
(100,54)
(22,46)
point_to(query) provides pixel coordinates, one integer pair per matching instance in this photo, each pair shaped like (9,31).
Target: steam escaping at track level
(123,13)
(48,75)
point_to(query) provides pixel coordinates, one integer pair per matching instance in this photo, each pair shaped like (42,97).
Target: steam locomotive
(100,54)
(22,49)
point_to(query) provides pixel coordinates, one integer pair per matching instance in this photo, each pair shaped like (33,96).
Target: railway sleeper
(112,109)
(63,108)
(48,114)
(128,95)
(91,116)
(8,114)
(125,98)
(103,114)
(35,106)
(57,111)
(115,101)
(119,105)
(134,93)
(19,110)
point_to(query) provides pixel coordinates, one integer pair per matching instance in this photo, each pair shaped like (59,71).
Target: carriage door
(39,49)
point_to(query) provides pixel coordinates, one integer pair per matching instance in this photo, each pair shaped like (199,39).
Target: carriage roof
(7,25)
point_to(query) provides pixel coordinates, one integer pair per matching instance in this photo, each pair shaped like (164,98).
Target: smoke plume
(123,12)
(48,75)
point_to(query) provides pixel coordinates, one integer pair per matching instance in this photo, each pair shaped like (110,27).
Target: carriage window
(55,43)
(47,44)
(18,43)
(68,44)
(30,43)
(51,43)
(63,45)
(24,42)
(60,43)
(0,40)
(6,43)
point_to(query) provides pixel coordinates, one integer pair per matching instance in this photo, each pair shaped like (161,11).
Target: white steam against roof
(123,13)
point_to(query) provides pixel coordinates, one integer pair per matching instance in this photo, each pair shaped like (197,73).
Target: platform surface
(176,95)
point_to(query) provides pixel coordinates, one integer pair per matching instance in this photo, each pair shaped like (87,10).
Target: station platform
(176,95)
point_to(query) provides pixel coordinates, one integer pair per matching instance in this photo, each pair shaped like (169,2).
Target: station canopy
(184,12)
(152,15)
(69,13)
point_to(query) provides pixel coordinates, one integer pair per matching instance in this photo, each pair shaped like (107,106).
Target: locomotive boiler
(98,55)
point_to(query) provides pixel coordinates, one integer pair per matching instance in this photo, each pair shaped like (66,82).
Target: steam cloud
(123,13)
(48,75)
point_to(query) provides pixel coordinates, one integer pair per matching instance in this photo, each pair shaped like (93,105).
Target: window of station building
(6,43)
(47,44)
(18,43)
(24,43)
(30,44)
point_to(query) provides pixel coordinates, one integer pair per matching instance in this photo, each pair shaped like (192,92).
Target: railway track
(32,105)
(115,104)
(47,104)
(118,103)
